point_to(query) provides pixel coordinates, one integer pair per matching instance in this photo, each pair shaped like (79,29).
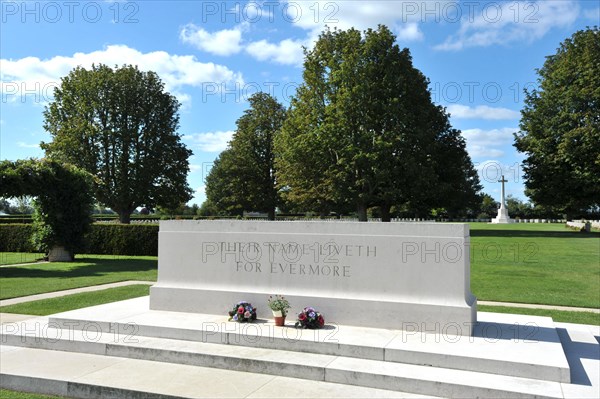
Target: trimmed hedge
(19,220)
(103,239)
(122,239)
(16,237)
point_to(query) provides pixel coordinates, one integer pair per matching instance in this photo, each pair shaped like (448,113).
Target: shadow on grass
(533,233)
(80,268)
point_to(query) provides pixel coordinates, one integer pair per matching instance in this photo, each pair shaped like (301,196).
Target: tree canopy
(121,126)
(560,127)
(243,176)
(363,131)
(63,201)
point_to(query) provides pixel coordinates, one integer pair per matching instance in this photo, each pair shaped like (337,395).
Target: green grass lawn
(87,270)
(6,394)
(535,263)
(65,303)
(13,258)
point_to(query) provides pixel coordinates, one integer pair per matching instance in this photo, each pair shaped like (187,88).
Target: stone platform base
(508,356)
(502,217)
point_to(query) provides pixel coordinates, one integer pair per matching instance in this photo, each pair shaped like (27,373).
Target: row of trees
(361,132)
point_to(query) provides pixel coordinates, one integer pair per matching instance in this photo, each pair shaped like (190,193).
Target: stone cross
(502,199)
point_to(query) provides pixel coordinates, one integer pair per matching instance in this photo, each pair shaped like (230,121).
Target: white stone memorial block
(409,276)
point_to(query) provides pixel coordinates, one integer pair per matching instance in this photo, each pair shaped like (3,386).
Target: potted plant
(279,305)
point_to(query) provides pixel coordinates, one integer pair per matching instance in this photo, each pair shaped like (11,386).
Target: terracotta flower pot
(280,321)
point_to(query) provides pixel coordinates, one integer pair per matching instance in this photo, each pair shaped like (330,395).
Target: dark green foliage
(16,238)
(560,128)
(243,176)
(63,200)
(121,126)
(21,219)
(363,131)
(102,239)
(122,239)
(488,207)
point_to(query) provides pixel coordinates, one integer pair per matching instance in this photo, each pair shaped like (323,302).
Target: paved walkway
(56,294)
(536,306)
(14,301)
(26,264)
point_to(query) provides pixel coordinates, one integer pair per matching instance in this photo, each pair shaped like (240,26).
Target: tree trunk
(271,214)
(361,209)
(124,217)
(58,253)
(385,213)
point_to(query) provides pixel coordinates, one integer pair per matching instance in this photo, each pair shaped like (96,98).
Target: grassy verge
(535,263)
(87,270)
(65,303)
(6,394)
(12,258)
(557,315)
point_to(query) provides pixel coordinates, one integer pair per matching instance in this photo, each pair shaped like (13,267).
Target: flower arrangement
(242,312)
(279,304)
(310,318)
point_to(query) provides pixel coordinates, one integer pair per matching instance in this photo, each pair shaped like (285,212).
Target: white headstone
(388,275)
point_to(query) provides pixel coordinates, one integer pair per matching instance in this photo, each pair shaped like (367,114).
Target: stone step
(78,375)
(582,348)
(308,366)
(520,346)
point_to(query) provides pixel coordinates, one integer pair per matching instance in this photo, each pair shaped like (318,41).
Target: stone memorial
(503,216)
(403,276)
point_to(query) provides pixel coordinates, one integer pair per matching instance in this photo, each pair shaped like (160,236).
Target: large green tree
(243,176)
(560,127)
(363,129)
(63,200)
(121,126)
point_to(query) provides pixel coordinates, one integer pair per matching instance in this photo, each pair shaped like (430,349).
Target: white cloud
(481,112)
(286,52)
(22,144)
(409,32)
(488,143)
(224,42)
(402,17)
(503,23)
(195,168)
(211,141)
(20,76)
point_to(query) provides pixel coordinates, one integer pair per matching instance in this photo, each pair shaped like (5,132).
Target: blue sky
(212,55)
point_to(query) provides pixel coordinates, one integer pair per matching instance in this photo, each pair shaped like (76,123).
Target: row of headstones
(595,224)
(487,220)
(584,225)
